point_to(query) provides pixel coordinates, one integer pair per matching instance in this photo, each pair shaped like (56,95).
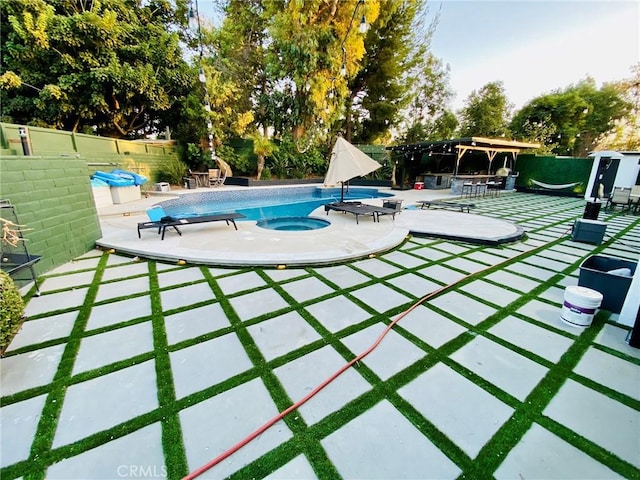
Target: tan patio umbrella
(347,162)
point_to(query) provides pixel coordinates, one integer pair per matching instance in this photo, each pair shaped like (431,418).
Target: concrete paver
(119,458)
(466,309)
(105,401)
(273,344)
(464,412)
(187,295)
(194,322)
(208,363)
(44,329)
(129,309)
(306,289)
(232,415)
(541,454)
(425,403)
(513,373)
(441,274)
(393,447)
(240,282)
(254,304)
(67,299)
(610,371)
(343,276)
(494,294)
(612,425)
(391,356)
(115,345)
(124,288)
(380,297)
(19,423)
(431,327)
(349,313)
(540,341)
(42,365)
(299,377)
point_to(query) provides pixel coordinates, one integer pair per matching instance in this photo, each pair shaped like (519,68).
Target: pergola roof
(471,143)
(491,146)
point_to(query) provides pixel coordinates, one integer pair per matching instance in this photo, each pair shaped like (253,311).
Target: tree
(443,126)
(380,89)
(262,147)
(114,65)
(625,132)
(486,112)
(569,121)
(311,42)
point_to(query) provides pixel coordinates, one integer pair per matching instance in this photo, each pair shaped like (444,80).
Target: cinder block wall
(51,189)
(53,200)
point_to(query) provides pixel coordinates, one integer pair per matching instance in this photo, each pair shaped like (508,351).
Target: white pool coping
(344,240)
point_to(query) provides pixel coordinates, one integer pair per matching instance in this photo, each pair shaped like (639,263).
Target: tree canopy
(115,66)
(486,112)
(570,121)
(295,73)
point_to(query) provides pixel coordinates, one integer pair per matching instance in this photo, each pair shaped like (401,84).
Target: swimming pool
(264,203)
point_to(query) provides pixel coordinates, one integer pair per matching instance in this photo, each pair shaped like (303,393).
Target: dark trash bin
(591,210)
(189,183)
(599,273)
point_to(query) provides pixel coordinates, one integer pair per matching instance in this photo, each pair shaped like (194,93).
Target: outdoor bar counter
(458,180)
(435,181)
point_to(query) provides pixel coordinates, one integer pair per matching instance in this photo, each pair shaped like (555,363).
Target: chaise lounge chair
(160,220)
(357,209)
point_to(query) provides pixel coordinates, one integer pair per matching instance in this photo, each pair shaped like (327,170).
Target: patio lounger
(619,196)
(358,209)
(165,221)
(444,204)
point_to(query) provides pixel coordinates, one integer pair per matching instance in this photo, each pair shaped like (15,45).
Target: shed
(613,169)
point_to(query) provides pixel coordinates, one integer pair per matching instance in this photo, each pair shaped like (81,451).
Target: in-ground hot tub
(293,224)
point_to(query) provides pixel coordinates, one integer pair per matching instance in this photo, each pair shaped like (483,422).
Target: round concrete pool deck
(344,240)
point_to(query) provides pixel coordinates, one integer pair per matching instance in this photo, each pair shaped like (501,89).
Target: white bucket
(580,305)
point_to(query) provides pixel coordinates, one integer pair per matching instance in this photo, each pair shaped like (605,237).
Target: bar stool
(467,189)
(493,188)
(481,189)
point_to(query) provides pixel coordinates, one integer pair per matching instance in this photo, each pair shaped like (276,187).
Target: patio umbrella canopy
(347,162)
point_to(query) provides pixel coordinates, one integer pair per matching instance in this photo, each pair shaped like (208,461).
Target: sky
(533,47)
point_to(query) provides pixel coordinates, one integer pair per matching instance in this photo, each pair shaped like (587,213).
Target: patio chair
(156,216)
(217,177)
(619,196)
(635,198)
(159,219)
(395,205)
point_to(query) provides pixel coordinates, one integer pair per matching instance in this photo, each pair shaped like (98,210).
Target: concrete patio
(134,368)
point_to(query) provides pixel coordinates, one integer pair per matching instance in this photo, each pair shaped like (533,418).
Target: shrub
(11,309)
(171,171)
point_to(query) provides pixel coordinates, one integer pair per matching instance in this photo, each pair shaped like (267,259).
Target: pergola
(490,146)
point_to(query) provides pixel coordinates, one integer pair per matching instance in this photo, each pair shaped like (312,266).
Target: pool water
(263,204)
(293,224)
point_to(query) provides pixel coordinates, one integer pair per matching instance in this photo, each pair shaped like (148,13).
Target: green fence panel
(550,174)
(127,147)
(90,144)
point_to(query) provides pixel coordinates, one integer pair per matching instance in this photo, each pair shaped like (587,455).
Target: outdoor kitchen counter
(458,180)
